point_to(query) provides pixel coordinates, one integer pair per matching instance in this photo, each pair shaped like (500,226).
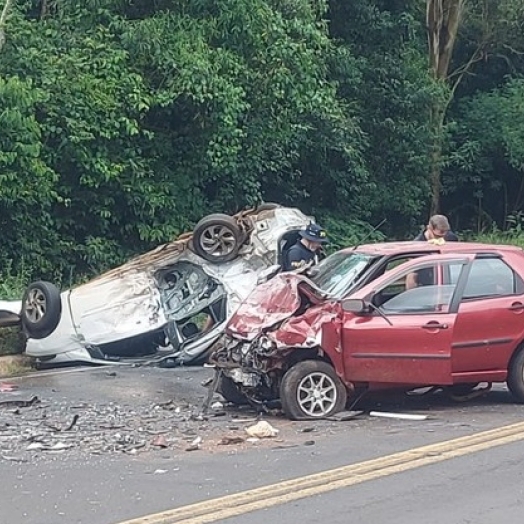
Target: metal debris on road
(160,441)
(228,440)
(402,416)
(19,403)
(195,444)
(343,416)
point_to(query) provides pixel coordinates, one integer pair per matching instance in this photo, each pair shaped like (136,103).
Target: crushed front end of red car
(280,324)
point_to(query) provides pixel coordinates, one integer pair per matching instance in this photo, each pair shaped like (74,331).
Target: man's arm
(295,259)
(411,280)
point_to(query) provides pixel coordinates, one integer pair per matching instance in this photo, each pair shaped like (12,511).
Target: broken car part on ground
(353,324)
(171,302)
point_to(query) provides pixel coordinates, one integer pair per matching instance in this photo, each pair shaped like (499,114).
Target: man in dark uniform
(306,250)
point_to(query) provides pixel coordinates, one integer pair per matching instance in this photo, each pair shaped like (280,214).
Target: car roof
(399,248)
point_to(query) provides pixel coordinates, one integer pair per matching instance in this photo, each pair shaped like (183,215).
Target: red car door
(407,338)
(490,321)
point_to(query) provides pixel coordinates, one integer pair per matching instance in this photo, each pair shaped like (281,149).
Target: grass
(14,365)
(496,237)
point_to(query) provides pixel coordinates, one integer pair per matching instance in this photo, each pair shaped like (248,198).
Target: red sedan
(403,315)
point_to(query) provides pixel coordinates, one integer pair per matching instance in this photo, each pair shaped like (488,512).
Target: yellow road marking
(290,490)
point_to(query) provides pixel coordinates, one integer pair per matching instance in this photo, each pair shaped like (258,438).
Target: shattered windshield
(337,273)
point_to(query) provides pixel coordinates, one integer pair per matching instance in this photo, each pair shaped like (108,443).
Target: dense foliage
(122,122)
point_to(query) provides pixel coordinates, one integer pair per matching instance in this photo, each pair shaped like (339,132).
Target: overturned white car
(170,303)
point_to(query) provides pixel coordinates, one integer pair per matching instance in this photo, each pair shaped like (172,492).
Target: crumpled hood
(271,303)
(305,331)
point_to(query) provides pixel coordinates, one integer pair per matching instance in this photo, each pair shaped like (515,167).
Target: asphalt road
(108,469)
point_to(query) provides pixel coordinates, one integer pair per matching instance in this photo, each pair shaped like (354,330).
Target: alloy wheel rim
(317,394)
(218,241)
(35,306)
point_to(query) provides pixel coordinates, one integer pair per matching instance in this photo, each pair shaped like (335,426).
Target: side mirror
(355,305)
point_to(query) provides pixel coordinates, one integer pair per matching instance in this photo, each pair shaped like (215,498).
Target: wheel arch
(317,353)
(518,348)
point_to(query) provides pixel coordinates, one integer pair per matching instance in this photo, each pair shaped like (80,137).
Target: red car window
(431,294)
(491,277)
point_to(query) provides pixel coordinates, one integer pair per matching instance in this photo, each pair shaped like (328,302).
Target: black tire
(41,309)
(308,375)
(217,238)
(230,391)
(515,379)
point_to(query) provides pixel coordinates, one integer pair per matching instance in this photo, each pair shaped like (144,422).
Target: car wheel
(515,380)
(230,391)
(310,390)
(41,309)
(217,238)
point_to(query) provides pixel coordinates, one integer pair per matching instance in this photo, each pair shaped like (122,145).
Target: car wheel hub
(35,306)
(218,240)
(316,394)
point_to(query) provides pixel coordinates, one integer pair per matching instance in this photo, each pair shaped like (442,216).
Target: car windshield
(337,273)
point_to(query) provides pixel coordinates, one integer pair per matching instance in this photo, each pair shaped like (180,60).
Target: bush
(347,232)
(13,284)
(513,235)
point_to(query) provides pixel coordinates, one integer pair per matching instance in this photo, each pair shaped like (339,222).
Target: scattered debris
(262,429)
(285,446)
(73,423)
(228,440)
(159,471)
(160,441)
(59,446)
(34,446)
(14,459)
(195,444)
(402,416)
(217,405)
(308,429)
(67,428)
(19,403)
(343,416)
(474,393)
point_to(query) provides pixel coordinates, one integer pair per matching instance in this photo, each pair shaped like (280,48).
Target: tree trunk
(443,20)
(437,114)
(3,19)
